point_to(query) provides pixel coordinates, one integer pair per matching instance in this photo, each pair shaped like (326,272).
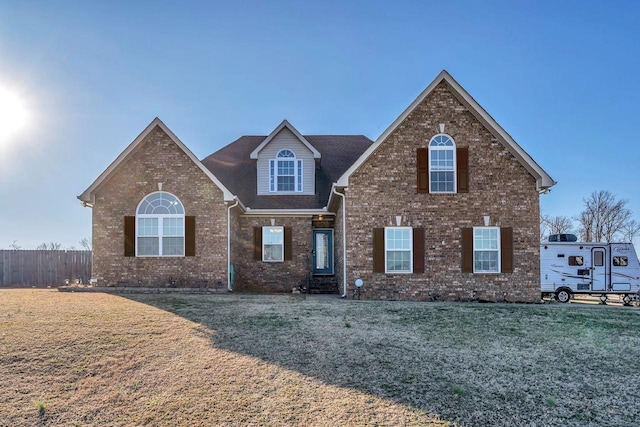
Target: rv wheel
(563,295)
(626,300)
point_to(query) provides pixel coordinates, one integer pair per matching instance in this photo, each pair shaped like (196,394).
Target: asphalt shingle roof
(237,171)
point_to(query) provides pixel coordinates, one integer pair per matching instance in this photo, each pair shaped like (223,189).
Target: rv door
(598,270)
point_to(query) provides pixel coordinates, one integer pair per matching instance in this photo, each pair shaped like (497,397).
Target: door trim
(329,271)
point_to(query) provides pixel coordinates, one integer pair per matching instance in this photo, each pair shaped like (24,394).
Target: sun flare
(13,114)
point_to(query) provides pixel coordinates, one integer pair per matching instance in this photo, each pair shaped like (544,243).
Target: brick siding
(385,186)
(258,276)
(382,188)
(159,159)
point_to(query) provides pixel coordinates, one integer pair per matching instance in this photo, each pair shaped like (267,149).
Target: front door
(598,270)
(322,252)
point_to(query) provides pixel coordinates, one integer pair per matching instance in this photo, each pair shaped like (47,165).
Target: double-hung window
(442,164)
(285,173)
(160,226)
(398,247)
(486,249)
(273,244)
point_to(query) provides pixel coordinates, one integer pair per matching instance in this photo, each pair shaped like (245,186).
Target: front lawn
(162,360)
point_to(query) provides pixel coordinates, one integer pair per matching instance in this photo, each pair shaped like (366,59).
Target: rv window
(576,260)
(620,261)
(598,258)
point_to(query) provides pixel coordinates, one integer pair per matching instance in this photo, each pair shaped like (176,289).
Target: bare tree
(603,217)
(585,230)
(51,246)
(544,227)
(630,230)
(555,225)
(85,243)
(15,246)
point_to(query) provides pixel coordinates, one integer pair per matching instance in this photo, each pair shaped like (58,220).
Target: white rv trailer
(568,267)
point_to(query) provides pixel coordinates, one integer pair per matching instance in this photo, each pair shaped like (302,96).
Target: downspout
(229,285)
(344,240)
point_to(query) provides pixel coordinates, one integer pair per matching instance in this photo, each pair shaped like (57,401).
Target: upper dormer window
(285,172)
(442,164)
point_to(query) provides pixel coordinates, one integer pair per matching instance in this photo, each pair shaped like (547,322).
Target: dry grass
(95,359)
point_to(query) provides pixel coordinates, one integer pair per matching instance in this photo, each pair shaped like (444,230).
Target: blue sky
(561,77)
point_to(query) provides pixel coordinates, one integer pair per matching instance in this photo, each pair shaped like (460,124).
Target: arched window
(285,172)
(160,226)
(442,164)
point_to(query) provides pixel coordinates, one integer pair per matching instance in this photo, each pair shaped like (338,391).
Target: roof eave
(494,127)
(544,180)
(88,195)
(544,184)
(285,212)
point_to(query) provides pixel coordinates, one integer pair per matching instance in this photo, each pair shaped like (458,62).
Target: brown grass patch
(95,359)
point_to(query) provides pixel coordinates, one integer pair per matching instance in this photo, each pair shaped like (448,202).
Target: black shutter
(462,172)
(190,235)
(418,250)
(257,243)
(129,236)
(378,250)
(287,244)
(467,250)
(506,249)
(422,163)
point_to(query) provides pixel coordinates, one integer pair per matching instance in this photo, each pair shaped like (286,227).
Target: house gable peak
(543,180)
(294,131)
(88,196)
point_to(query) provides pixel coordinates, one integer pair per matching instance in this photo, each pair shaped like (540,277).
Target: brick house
(443,205)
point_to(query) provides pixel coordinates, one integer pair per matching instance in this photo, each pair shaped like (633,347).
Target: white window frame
(265,230)
(297,172)
(434,148)
(498,250)
(160,229)
(387,250)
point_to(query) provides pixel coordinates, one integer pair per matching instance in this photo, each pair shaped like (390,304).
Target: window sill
(160,256)
(285,193)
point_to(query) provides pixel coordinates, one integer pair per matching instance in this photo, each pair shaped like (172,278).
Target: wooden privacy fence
(44,267)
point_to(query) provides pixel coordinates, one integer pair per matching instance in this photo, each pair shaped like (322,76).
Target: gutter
(229,284)
(344,239)
(84,201)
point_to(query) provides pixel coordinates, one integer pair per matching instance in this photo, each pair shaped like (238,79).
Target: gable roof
(285,124)
(88,195)
(543,180)
(235,168)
